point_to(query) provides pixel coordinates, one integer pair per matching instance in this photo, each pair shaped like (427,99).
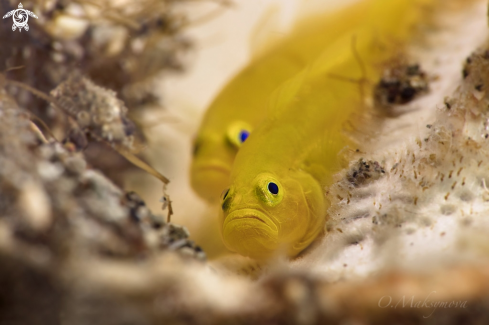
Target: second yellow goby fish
(276,201)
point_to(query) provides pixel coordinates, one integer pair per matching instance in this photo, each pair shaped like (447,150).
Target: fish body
(276,201)
(241,105)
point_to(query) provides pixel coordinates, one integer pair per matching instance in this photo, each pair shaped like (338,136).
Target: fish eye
(225,203)
(238,132)
(196,147)
(243,135)
(273,188)
(268,189)
(224,194)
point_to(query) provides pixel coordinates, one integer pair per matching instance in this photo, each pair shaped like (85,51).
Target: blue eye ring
(272,188)
(238,132)
(268,189)
(243,135)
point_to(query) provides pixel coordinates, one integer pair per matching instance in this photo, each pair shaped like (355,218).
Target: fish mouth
(248,215)
(212,166)
(251,233)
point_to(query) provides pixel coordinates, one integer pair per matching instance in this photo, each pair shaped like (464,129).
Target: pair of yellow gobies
(291,111)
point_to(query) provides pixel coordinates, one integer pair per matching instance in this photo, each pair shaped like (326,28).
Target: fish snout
(250,232)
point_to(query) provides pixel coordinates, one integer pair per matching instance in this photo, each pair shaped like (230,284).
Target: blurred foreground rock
(57,218)
(121,46)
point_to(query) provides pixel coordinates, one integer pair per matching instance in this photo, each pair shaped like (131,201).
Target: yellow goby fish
(276,200)
(239,107)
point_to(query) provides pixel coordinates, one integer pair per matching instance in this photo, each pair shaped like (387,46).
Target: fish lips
(211,166)
(250,232)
